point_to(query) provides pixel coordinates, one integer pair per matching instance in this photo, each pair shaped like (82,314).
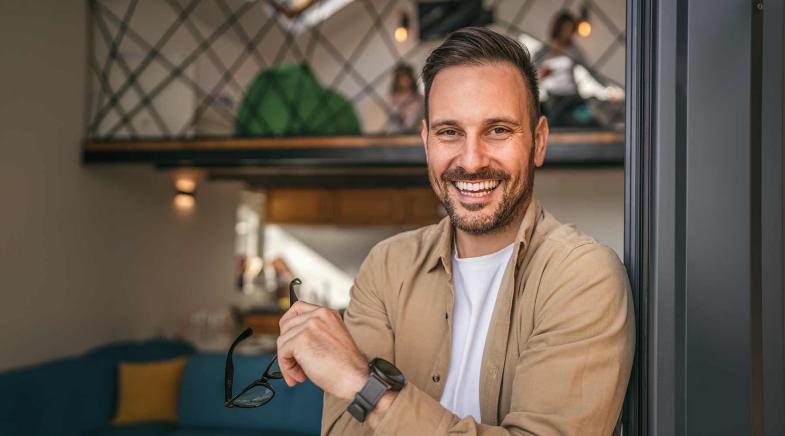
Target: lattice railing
(173,69)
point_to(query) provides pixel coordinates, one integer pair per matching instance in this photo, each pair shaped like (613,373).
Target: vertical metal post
(704,216)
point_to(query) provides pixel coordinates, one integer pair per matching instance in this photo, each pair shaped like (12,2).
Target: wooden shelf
(335,161)
(414,206)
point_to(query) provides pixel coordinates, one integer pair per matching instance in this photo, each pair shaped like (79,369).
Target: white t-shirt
(476,281)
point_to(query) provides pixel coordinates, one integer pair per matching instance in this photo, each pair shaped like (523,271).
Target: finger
(292,373)
(291,340)
(298,335)
(287,345)
(294,322)
(301,313)
(298,308)
(289,372)
(323,322)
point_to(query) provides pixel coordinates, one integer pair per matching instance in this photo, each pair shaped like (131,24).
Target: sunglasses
(260,392)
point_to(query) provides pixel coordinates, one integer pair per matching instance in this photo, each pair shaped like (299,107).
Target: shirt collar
(442,252)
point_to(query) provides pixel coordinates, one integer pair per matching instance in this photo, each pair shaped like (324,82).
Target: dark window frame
(666,174)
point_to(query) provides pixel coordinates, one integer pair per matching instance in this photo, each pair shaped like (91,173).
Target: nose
(473,155)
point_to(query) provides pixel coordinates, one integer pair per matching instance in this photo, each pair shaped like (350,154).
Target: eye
(448,132)
(498,130)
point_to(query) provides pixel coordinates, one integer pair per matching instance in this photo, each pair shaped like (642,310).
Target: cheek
(438,162)
(435,170)
(516,164)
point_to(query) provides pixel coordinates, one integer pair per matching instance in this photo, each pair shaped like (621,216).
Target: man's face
(480,147)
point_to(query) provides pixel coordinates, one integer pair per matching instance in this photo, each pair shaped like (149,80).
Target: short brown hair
(478,46)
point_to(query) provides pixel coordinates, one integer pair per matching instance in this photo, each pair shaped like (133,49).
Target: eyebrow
(441,123)
(502,120)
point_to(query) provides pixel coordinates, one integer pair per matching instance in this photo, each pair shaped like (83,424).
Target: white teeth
(476,187)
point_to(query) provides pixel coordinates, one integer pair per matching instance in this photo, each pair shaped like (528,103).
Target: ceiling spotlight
(185,184)
(184,201)
(402,31)
(185,193)
(584,27)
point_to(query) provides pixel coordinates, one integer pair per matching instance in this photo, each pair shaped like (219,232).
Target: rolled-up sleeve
(366,319)
(572,375)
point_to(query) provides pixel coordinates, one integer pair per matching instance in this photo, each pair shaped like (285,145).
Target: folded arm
(570,378)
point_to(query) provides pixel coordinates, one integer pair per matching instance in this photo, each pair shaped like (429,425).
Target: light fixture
(185,193)
(184,200)
(584,27)
(185,184)
(402,31)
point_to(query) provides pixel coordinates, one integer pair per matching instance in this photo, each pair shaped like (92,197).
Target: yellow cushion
(148,391)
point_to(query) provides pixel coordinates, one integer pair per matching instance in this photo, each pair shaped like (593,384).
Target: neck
(480,244)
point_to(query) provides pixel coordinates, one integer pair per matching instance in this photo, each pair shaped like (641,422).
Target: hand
(315,344)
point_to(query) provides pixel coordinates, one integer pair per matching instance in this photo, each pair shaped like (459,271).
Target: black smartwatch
(384,377)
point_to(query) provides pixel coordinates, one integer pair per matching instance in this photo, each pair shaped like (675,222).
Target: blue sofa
(77,396)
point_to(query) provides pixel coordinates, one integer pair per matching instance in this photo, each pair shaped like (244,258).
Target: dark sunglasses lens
(275,371)
(256,396)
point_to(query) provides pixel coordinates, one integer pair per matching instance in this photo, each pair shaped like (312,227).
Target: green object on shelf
(288,100)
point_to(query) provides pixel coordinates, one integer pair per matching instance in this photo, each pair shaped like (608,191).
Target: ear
(540,141)
(424,136)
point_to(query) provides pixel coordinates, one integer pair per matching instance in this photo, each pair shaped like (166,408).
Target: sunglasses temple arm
(269,365)
(229,369)
(228,376)
(293,295)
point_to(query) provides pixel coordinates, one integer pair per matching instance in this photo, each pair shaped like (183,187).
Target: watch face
(386,367)
(392,374)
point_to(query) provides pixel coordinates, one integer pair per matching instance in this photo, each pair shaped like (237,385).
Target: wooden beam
(321,142)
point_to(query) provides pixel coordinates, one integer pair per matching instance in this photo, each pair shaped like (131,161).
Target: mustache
(458,173)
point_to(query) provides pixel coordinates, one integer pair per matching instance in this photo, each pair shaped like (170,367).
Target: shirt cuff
(414,412)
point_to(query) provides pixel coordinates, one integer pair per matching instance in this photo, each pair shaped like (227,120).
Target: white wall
(88,255)
(590,198)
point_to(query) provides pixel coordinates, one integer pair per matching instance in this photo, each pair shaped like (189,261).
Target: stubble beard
(513,202)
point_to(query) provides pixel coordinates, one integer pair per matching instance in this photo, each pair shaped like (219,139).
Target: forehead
(469,92)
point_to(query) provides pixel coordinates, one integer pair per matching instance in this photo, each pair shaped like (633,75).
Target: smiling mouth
(479,188)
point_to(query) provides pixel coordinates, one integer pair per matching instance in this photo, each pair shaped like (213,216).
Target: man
(500,319)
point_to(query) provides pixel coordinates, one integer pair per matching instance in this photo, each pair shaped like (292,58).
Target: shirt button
(436,378)
(446,315)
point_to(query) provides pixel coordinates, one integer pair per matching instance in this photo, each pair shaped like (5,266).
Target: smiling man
(497,320)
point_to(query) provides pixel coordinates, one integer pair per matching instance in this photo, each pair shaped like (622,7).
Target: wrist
(378,391)
(376,415)
(354,383)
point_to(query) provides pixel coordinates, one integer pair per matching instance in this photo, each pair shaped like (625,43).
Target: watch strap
(365,400)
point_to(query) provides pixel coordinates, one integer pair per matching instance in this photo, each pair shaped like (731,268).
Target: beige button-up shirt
(559,347)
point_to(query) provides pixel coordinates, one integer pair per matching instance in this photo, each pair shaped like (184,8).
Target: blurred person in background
(406,102)
(556,62)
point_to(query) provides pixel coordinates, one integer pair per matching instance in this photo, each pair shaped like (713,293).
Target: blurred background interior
(175,163)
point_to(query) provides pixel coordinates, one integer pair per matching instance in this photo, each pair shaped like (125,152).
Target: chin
(483,217)
(474,221)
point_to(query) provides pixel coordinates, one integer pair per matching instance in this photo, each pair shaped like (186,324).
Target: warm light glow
(185,185)
(184,201)
(584,28)
(401,34)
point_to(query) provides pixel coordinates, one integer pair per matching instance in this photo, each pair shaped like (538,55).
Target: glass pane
(256,396)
